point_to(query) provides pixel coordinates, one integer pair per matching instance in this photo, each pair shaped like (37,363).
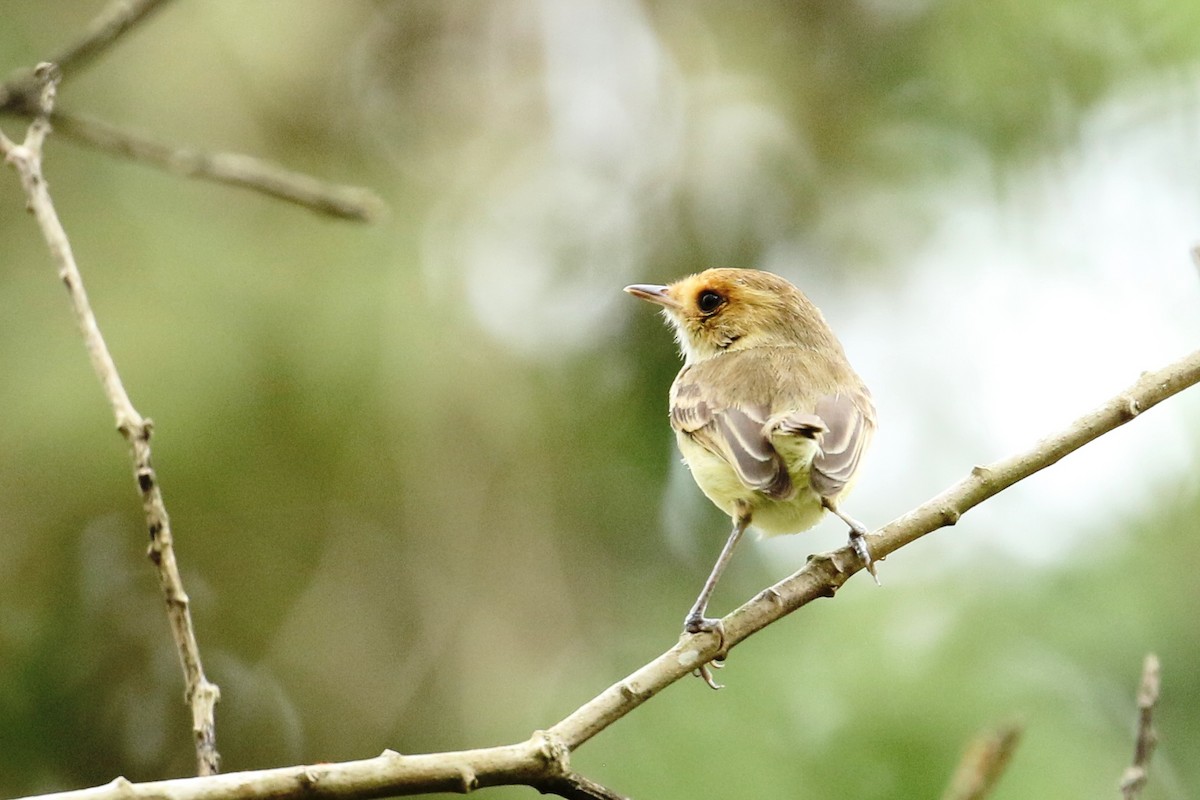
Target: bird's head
(723,310)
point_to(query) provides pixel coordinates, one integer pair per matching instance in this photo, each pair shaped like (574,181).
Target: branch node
(950,515)
(468,781)
(120,784)
(982,474)
(553,752)
(131,426)
(17,153)
(772,596)
(837,562)
(308,778)
(49,75)
(1133,780)
(145,479)
(203,697)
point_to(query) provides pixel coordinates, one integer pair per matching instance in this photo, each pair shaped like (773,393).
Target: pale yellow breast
(721,484)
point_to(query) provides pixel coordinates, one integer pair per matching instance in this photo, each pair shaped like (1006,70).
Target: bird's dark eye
(709,301)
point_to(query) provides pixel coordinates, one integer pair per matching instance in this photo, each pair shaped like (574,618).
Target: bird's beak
(653,294)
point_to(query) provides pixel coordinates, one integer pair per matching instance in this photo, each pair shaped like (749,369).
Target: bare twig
(117,19)
(577,787)
(540,761)
(20,95)
(982,763)
(26,158)
(231,169)
(1134,779)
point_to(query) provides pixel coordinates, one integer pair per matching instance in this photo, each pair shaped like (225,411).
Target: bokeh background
(420,474)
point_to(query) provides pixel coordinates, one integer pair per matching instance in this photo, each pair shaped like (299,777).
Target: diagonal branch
(117,19)
(26,158)
(825,573)
(231,169)
(543,760)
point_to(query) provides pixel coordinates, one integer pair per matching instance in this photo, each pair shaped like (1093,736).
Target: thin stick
(20,95)
(118,18)
(1135,776)
(231,169)
(982,763)
(26,158)
(577,787)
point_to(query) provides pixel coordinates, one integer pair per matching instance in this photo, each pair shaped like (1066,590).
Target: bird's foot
(696,623)
(858,540)
(858,537)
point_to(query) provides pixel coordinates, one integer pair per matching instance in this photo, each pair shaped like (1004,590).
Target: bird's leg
(695,621)
(858,536)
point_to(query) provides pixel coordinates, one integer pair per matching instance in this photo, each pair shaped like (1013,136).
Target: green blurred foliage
(402,529)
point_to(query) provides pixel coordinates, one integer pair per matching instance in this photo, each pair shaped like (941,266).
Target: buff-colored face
(722,310)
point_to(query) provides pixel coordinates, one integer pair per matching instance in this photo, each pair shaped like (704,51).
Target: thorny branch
(26,158)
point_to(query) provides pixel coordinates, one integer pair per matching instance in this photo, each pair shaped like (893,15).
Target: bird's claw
(859,542)
(700,624)
(706,674)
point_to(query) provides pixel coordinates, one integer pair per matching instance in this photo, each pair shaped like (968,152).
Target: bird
(770,417)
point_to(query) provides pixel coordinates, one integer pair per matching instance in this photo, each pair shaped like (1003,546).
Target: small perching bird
(768,414)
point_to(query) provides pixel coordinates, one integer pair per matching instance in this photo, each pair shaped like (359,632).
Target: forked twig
(21,92)
(26,158)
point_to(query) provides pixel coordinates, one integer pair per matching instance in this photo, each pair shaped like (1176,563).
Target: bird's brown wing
(709,404)
(739,435)
(850,423)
